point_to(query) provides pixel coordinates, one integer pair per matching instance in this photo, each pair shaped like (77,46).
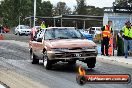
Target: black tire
(91,62)
(20,34)
(26,34)
(81,80)
(46,62)
(72,62)
(33,58)
(15,33)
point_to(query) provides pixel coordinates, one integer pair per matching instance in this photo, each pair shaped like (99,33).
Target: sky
(96,3)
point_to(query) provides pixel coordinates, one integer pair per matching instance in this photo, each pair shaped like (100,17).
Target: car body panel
(86,34)
(69,43)
(65,49)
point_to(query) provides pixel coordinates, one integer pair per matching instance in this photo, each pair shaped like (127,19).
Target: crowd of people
(125,34)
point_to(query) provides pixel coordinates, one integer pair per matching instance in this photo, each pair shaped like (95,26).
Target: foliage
(81,7)
(61,8)
(11,10)
(123,3)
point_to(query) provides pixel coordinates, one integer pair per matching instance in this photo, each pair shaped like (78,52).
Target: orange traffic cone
(111,47)
(110,50)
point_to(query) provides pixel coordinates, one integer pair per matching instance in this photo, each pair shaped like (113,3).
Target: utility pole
(19,20)
(20,13)
(34,11)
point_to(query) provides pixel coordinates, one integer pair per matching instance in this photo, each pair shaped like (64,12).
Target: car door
(38,44)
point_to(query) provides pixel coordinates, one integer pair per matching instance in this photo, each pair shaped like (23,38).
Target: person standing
(1,29)
(126,33)
(33,33)
(43,25)
(105,38)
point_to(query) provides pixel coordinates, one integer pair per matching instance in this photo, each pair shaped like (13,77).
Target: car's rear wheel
(91,62)
(46,62)
(15,33)
(19,34)
(33,58)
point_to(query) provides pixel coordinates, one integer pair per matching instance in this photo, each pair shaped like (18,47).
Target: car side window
(21,27)
(49,34)
(40,34)
(36,36)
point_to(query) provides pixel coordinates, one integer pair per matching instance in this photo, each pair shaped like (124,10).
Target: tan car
(64,44)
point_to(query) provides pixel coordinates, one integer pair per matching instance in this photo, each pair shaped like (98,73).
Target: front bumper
(77,55)
(25,33)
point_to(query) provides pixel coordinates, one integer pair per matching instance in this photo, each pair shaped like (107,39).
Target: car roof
(95,27)
(24,25)
(60,27)
(37,26)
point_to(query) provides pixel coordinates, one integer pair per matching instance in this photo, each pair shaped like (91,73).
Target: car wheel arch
(31,50)
(44,50)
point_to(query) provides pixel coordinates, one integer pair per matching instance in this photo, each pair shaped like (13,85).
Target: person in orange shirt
(105,38)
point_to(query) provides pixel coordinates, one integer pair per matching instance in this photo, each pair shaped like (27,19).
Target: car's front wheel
(33,58)
(20,34)
(46,62)
(91,62)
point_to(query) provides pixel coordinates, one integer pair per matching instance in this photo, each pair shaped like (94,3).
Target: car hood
(69,43)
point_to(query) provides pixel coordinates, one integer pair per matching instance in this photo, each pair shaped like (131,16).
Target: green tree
(96,11)
(81,7)
(123,3)
(61,8)
(11,10)
(45,9)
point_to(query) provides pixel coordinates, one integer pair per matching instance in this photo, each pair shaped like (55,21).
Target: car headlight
(59,49)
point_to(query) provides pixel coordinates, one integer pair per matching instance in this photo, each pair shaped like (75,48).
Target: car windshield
(24,27)
(63,33)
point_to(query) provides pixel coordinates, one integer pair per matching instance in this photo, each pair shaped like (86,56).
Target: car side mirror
(39,40)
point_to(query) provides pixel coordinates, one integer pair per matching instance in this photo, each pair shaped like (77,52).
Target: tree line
(123,3)
(12,10)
